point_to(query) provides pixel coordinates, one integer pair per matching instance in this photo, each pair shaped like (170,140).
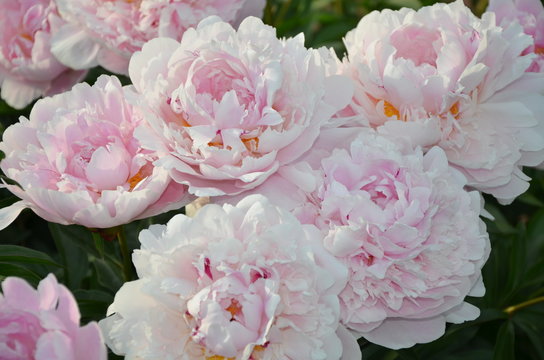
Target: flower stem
(98,243)
(512,309)
(125,253)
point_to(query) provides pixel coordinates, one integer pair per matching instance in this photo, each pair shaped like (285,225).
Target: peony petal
(400,333)
(9,214)
(19,94)
(75,48)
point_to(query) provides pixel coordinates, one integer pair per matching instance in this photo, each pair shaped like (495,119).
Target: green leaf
(500,223)
(7,201)
(93,303)
(504,346)
(530,199)
(20,254)
(475,354)
(107,276)
(73,255)
(414,4)
(533,333)
(535,236)
(517,263)
(19,271)
(7,180)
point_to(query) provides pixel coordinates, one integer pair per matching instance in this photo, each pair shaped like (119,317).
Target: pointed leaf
(20,254)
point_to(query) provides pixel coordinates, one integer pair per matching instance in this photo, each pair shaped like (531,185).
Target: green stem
(98,243)
(339,7)
(512,309)
(282,12)
(125,253)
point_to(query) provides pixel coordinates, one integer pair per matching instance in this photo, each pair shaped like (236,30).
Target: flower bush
(337,180)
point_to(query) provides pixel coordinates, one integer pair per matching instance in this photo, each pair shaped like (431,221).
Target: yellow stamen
(27,36)
(252,144)
(539,50)
(139,176)
(184,122)
(234,308)
(390,110)
(215,143)
(454,110)
(217,357)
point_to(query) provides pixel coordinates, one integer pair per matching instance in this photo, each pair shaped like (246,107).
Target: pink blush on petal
(416,43)
(108,167)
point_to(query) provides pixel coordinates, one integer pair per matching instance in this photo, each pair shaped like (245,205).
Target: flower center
(539,50)
(142,174)
(234,309)
(27,36)
(389,110)
(251,144)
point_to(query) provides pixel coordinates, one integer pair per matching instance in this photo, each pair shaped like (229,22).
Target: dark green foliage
(511,325)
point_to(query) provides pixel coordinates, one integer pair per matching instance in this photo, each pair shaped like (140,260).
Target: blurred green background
(511,325)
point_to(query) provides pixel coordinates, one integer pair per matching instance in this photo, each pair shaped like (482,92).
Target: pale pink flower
(530,15)
(442,77)
(401,222)
(234,282)
(77,161)
(233,106)
(107,33)
(43,324)
(28,70)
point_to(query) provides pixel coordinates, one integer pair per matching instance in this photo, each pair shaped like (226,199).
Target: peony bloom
(28,70)
(43,324)
(442,77)
(234,282)
(530,15)
(107,33)
(233,106)
(78,163)
(401,222)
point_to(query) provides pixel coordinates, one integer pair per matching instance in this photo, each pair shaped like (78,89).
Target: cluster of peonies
(107,33)
(350,189)
(442,77)
(47,46)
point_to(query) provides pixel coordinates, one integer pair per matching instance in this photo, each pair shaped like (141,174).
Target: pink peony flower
(28,70)
(530,15)
(78,163)
(107,33)
(237,282)
(401,222)
(44,324)
(233,106)
(442,77)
